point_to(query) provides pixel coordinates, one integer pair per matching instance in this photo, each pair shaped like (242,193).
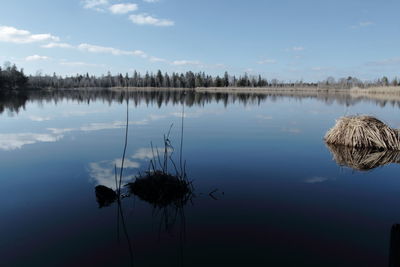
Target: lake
(265,189)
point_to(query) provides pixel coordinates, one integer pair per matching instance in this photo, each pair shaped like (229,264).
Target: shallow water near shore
(266,189)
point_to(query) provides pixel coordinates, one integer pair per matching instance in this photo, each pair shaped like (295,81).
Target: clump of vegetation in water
(160,187)
(363,132)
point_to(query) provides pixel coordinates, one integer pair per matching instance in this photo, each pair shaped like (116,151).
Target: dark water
(278,196)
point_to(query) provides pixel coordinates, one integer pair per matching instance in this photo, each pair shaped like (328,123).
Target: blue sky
(290,40)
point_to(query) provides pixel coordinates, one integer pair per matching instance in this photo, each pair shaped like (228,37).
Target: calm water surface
(278,197)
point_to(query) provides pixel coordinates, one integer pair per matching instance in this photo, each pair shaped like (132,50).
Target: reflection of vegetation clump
(161,189)
(363,159)
(105,196)
(363,132)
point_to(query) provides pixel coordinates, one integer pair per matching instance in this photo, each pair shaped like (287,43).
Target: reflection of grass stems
(125,145)
(118,189)
(181,146)
(125,230)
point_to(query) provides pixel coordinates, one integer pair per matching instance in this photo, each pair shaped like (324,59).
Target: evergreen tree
(226,79)
(159,79)
(385,81)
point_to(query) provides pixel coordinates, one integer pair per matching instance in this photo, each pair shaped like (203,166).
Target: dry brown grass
(363,132)
(363,159)
(386,90)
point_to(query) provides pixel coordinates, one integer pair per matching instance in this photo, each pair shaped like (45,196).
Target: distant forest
(12,79)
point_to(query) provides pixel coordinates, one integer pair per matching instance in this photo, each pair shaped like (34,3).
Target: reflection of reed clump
(363,159)
(363,132)
(161,189)
(105,196)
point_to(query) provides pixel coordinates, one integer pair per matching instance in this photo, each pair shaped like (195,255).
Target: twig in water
(211,194)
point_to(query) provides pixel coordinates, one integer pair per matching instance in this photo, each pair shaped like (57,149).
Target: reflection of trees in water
(363,159)
(14,101)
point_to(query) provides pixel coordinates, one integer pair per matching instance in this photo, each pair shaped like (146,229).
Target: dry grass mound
(363,159)
(363,132)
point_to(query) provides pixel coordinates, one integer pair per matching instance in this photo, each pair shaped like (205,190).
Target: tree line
(12,78)
(193,80)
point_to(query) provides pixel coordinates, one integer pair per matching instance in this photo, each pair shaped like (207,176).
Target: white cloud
(123,8)
(14,35)
(102,126)
(109,125)
(60,130)
(144,19)
(157,59)
(102,49)
(267,61)
(110,50)
(102,173)
(79,64)
(36,58)
(95,4)
(98,49)
(139,53)
(97,126)
(127,163)
(151,1)
(58,45)
(143,154)
(185,62)
(16,141)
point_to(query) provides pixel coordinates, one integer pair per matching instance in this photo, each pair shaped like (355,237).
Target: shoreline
(389,93)
(391,90)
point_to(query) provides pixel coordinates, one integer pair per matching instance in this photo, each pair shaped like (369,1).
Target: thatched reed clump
(363,159)
(161,189)
(363,132)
